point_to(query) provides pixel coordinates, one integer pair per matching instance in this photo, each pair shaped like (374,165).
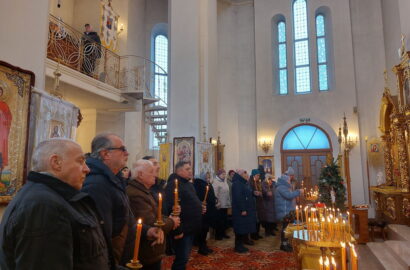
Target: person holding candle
(206,194)
(43,226)
(191,211)
(243,210)
(108,156)
(144,205)
(285,202)
(268,191)
(256,184)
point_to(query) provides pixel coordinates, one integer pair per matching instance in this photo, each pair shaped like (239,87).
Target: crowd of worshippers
(79,211)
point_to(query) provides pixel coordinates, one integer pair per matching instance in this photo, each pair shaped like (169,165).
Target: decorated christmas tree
(331,184)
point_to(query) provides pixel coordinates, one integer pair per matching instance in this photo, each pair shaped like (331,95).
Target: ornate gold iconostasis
(393,197)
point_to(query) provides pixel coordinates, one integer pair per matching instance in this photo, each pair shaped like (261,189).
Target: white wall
(65,12)
(274,111)
(23,35)
(236,106)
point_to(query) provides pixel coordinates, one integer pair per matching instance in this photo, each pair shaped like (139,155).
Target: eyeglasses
(122,148)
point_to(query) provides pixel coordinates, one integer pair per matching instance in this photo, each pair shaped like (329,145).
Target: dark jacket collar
(98,167)
(237,178)
(135,183)
(181,179)
(63,189)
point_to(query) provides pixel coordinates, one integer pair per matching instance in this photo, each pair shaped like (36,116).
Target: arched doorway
(305,148)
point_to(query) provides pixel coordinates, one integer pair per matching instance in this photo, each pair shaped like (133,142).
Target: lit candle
(327,263)
(137,240)
(353,257)
(321,263)
(159,216)
(333,263)
(206,194)
(343,244)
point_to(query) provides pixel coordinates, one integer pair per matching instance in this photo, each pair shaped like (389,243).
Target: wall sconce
(265,144)
(213,141)
(121,29)
(348,141)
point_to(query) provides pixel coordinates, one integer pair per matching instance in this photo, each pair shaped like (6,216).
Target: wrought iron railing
(128,73)
(75,50)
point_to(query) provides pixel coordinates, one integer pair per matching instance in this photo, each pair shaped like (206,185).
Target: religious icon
(374,147)
(15,92)
(267,163)
(184,150)
(56,129)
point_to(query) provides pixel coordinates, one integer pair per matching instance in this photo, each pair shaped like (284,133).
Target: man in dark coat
(191,211)
(108,157)
(208,219)
(243,210)
(50,224)
(145,206)
(268,191)
(91,49)
(256,185)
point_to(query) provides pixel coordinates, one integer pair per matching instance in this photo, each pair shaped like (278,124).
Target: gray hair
(139,166)
(47,148)
(100,142)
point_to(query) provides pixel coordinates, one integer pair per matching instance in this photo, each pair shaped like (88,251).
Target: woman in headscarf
(285,203)
(256,185)
(221,189)
(268,192)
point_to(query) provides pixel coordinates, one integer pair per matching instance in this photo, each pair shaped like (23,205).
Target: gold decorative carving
(400,130)
(391,208)
(388,161)
(406,207)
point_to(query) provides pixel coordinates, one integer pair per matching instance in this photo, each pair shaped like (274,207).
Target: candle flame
(321,261)
(160,195)
(354,252)
(333,261)
(327,263)
(343,244)
(139,221)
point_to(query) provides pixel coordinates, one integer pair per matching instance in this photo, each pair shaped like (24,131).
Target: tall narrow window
(301,43)
(321,53)
(283,70)
(160,88)
(161,68)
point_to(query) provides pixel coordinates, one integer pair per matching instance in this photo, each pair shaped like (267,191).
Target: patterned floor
(265,254)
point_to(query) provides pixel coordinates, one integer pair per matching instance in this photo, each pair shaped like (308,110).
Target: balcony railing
(129,73)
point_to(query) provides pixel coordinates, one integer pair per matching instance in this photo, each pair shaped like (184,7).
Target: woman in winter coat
(222,194)
(285,202)
(268,192)
(243,210)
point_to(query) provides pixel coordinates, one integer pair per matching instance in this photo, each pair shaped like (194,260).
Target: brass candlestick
(134,264)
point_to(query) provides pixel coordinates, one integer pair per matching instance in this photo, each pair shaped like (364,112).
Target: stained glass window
(321,53)
(306,137)
(283,70)
(301,43)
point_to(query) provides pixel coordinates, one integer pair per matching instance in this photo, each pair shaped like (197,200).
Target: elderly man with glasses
(108,156)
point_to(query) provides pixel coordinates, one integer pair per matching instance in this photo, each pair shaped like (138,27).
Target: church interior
(320,86)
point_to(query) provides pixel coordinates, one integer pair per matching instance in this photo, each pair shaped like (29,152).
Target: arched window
(160,84)
(301,47)
(305,137)
(161,71)
(322,53)
(282,58)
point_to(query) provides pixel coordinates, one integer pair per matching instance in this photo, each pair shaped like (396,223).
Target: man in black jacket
(108,157)
(50,224)
(91,49)
(191,211)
